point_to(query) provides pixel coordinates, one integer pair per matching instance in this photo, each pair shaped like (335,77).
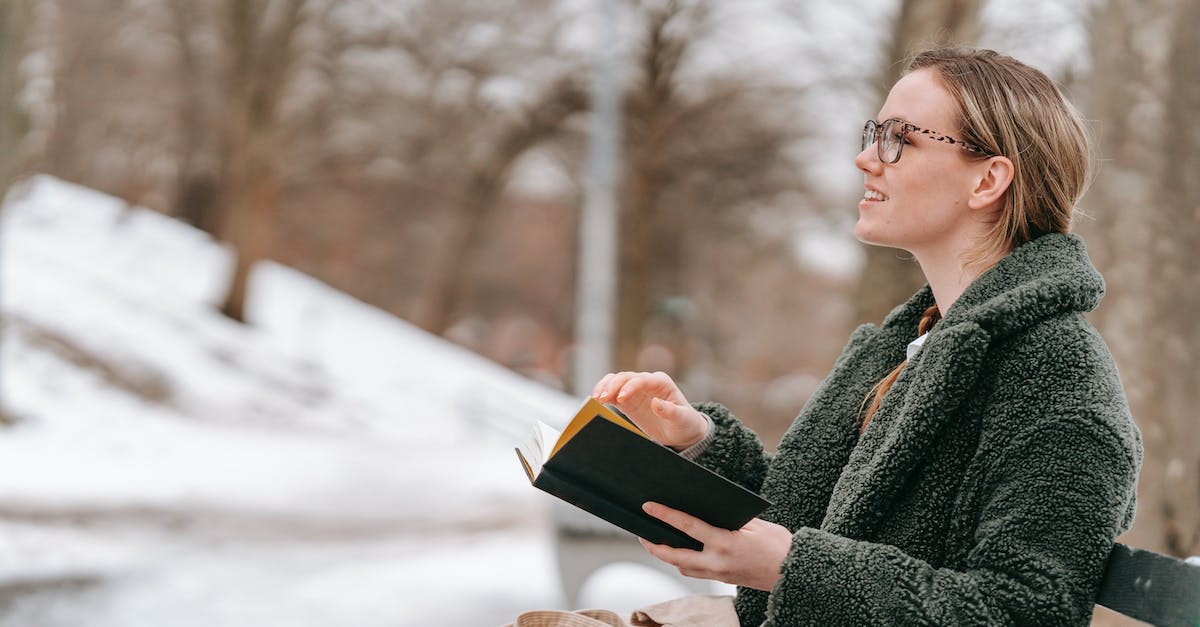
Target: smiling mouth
(871,194)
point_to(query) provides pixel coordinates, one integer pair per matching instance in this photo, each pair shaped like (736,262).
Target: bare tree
(258,57)
(101,136)
(475,87)
(1175,341)
(646,246)
(196,185)
(888,277)
(704,159)
(1144,232)
(13,16)
(485,180)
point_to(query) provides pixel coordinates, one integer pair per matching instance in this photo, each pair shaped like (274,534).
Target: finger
(668,411)
(679,558)
(686,523)
(697,574)
(662,379)
(613,383)
(619,386)
(633,388)
(647,385)
(601,385)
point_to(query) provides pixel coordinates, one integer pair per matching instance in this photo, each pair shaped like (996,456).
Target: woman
(971,460)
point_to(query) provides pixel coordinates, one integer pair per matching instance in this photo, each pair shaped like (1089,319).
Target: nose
(867,159)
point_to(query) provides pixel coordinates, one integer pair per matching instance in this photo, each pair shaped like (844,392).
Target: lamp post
(596,284)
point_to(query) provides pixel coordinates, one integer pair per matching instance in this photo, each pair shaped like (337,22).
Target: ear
(995,175)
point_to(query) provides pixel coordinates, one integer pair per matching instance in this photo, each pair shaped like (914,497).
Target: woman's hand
(751,556)
(655,404)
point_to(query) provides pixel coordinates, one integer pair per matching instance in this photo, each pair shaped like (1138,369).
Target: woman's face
(919,203)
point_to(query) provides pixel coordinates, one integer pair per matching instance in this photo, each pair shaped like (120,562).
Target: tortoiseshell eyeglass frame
(879,134)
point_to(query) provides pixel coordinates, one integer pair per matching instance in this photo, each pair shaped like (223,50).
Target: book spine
(636,522)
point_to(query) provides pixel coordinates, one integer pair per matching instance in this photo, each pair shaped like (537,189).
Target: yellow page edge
(591,407)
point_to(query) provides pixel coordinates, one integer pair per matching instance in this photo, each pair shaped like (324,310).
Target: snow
(324,464)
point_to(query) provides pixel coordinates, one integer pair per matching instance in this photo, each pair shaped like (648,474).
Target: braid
(928,319)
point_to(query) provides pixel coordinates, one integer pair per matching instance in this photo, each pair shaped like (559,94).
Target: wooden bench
(1150,587)
(1140,584)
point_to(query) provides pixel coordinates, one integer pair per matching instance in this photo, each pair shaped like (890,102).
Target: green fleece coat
(988,488)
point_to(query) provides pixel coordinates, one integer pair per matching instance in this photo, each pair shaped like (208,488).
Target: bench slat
(1150,587)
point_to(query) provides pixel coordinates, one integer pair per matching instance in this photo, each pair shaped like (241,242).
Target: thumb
(667,410)
(684,422)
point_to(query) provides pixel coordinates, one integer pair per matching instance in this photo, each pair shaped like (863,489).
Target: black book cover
(610,470)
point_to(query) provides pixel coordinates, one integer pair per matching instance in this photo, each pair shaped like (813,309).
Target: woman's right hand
(655,404)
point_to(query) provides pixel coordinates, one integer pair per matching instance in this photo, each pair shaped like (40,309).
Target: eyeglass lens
(889,136)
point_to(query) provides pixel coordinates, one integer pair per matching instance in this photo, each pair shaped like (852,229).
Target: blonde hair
(1013,110)
(875,396)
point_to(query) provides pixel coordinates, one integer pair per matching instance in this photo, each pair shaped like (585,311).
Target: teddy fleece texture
(989,486)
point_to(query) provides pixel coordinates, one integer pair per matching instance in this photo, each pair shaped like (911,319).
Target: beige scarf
(693,611)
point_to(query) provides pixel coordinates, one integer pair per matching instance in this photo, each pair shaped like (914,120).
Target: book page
(537,446)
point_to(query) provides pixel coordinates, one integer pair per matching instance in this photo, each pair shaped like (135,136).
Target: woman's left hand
(751,556)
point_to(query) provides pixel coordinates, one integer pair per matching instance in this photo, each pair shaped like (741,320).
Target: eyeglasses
(889,138)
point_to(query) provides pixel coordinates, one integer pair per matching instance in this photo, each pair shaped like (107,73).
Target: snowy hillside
(326,464)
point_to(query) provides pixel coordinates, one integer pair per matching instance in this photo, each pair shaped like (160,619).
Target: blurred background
(282,280)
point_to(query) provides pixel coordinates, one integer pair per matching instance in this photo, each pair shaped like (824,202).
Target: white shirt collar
(915,346)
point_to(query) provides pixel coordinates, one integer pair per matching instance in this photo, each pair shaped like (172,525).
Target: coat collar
(1041,279)
(1037,280)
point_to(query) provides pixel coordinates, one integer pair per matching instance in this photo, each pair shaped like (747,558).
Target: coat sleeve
(1056,498)
(735,452)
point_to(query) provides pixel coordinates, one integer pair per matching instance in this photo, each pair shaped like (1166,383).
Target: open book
(602,463)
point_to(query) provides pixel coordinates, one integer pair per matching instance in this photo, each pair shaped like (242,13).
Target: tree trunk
(196,186)
(451,268)
(637,258)
(13,15)
(258,209)
(451,271)
(1174,342)
(1145,238)
(258,59)
(644,241)
(890,276)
